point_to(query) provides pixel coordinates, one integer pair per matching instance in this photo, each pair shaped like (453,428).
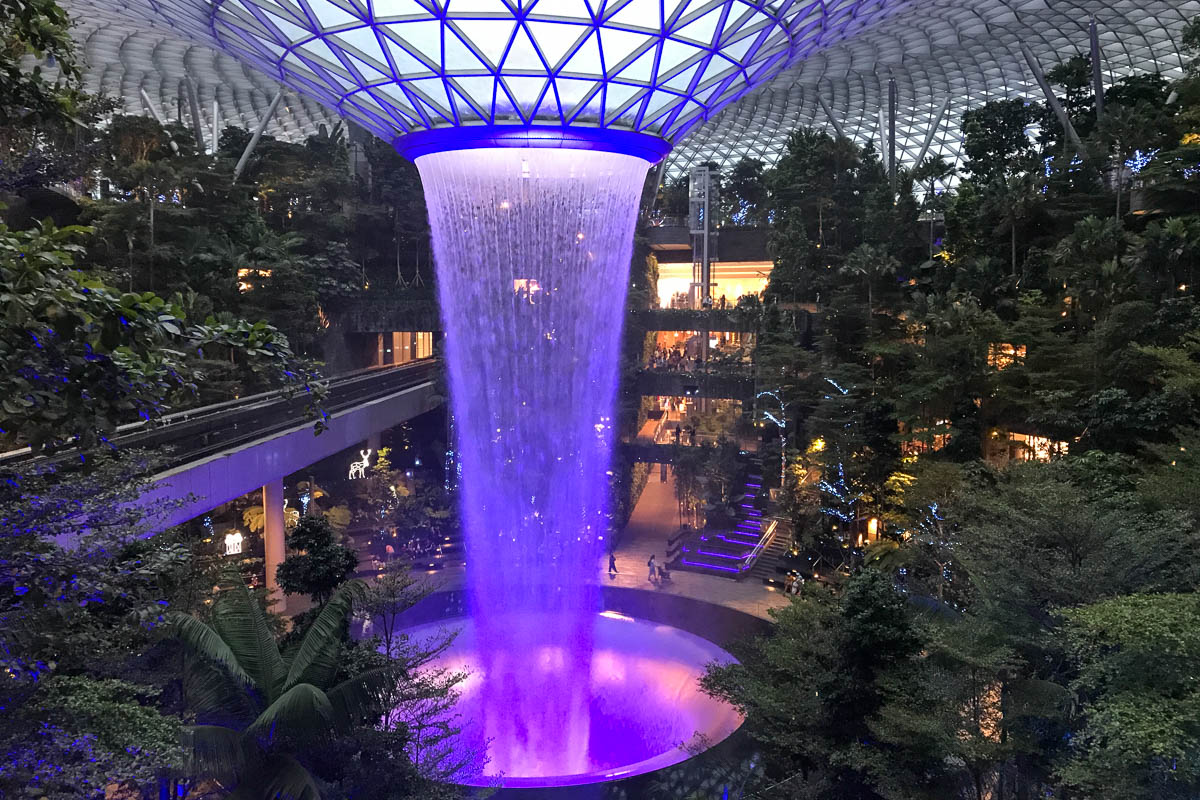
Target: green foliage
(319,563)
(1137,657)
(81,358)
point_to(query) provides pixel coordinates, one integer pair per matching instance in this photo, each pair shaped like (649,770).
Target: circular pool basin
(543,714)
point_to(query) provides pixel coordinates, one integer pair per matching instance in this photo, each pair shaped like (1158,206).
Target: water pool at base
(641,710)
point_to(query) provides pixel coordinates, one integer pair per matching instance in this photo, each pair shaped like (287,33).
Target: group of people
(794,583)
(658,574)
(673,359)
(690,430)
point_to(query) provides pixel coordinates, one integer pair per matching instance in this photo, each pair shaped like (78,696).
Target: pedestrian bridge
(208,456)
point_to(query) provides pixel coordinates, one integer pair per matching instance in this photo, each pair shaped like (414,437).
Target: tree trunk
(1013,244)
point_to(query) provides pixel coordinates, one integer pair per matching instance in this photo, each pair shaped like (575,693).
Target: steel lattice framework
(720,78)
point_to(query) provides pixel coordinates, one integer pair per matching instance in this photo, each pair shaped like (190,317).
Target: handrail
(216,427)
(764,541)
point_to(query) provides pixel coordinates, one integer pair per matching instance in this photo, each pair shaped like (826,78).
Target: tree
(995,141)
(1140,706)
(79,358)
(40,28)
(259,709)
(870,263)
(810,690)
(319,564)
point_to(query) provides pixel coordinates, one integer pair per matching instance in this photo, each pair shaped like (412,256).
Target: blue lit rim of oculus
(400,67)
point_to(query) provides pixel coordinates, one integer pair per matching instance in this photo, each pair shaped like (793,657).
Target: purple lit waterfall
(532,248)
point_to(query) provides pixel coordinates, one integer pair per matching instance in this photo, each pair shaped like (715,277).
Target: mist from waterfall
(532,249)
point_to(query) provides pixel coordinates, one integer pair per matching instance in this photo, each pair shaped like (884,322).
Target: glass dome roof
(400,66)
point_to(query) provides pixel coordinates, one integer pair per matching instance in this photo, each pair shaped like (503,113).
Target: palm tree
(870,263)
(259,706)
(1013,200)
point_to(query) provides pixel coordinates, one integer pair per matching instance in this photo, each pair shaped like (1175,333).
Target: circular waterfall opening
(641,710)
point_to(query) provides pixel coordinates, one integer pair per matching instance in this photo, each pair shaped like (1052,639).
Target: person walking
(612,564)
(678,431)
(653,568)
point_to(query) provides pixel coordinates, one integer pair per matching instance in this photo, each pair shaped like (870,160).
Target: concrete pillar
(274,539)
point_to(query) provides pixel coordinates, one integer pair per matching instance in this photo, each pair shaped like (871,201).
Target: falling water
(532,248)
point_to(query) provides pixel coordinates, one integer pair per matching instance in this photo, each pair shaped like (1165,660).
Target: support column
(274,540)
(1097,67)
(1052,100)
(194,107)
(258,132)
(837,126)
(891,138)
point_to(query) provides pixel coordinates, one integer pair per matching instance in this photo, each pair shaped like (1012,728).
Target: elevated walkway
(217,453)
(696,384)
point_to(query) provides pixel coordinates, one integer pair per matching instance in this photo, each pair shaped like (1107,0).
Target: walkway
(654,519)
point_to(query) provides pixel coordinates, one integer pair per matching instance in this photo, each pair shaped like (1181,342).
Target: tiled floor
(654,519)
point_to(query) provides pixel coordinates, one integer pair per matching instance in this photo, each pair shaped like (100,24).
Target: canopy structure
(720,79)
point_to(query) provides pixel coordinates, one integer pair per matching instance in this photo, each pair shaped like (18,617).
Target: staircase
(728,553)
(766,566)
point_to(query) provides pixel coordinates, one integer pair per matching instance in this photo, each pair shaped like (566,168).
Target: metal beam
(929,134)
(258,132)
(1051,100)
(837,126)
(194,105)
(883,137)
(891,141)
(1097,76)
(216,115)
(157,118)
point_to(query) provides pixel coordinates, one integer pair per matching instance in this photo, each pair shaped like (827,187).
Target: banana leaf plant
(260,707)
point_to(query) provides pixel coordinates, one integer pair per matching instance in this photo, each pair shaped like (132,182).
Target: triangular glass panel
(564,9)
(433,93)
(674,54)
(330,16)
(671,9)
(738,49)
(701,30)
(360,39)
(400,10)
(619,45)
(421,36)
(681,81)
(642,68)
(586,60)
(548,109)
(318,50)
(522,55)
(616,96)
(638,14)
(392,94)
(369,71)
(717,68)
(405,63)
(658,101)
(478,89)
(489,37)
(554,39)
(457,57)
(291,32)
(572,92)
(527,91)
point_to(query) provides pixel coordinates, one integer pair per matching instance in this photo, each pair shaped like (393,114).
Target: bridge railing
(196,433)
